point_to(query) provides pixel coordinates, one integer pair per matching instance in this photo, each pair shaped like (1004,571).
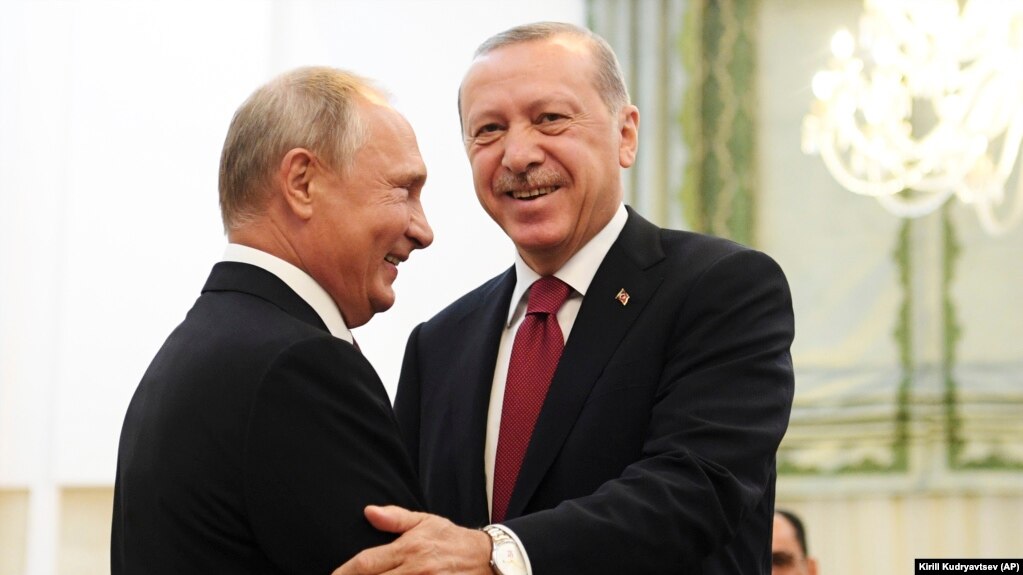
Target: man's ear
(295,174)
(628,125)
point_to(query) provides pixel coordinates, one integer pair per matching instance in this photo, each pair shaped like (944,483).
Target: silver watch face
(506,559)
(505,554)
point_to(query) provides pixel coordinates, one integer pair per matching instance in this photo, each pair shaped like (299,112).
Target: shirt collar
(579,270)
(300,282)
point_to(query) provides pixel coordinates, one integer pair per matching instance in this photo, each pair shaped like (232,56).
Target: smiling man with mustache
(613,402)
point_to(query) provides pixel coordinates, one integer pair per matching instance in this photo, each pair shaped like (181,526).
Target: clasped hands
(428,545)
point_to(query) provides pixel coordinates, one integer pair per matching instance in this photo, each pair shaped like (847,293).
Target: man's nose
(522,150)
(419,229)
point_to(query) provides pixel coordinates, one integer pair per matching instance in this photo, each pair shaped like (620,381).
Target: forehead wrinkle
(493,82)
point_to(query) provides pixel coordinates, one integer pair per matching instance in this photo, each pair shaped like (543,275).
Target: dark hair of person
(797,524)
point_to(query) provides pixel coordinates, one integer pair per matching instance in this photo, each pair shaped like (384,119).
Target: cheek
(487,201)
(390,226)
(484,163)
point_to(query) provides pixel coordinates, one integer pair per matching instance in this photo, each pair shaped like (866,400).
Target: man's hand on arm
(428,544)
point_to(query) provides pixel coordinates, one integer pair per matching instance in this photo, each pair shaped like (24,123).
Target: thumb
(393,519)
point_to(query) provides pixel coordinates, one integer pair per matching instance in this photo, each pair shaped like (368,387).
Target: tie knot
(547,294)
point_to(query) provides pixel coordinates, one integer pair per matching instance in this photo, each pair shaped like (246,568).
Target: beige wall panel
(13,522)
(884,534)
(85,531)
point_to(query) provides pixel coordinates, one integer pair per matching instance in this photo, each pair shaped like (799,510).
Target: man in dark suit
(260,432)
(653,448)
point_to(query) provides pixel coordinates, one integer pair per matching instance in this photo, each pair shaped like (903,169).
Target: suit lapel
(479,338)
(602,323)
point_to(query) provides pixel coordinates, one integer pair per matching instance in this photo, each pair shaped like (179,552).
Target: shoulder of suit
(695,250)
(675,241)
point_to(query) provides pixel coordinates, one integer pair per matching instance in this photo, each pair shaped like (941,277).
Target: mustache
(534,178)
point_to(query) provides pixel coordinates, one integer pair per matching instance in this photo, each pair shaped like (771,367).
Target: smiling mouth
(392,260)
(532,193)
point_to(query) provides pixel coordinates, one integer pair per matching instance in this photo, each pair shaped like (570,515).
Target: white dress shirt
(299,281)
(578,273)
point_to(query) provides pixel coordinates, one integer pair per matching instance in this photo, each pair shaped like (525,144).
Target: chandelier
(926,103)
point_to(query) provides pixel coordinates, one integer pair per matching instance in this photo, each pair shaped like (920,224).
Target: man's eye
(488,129)
(549,117)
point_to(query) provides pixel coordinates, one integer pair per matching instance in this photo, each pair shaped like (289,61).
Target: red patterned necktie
(535,354)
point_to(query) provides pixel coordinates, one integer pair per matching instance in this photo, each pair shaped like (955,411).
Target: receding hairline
(536,31)
(305,83)
(314,107)
(608,78)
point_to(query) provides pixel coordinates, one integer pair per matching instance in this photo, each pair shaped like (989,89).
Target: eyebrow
(782,558)
(489,116)
(411,178)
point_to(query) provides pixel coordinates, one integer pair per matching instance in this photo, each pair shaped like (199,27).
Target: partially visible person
(260,432)
(789,553)
(613,402)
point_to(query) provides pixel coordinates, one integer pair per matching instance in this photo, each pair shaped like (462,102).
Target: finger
(393,519)
(373,561)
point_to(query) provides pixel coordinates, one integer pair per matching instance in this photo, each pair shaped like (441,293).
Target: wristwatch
(505,556)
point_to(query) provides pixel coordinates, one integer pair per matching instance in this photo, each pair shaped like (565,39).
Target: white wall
(112,115)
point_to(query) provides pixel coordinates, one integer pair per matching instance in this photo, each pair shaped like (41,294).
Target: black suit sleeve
(322,443)
(720,410)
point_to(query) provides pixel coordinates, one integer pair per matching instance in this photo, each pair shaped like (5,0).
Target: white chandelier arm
(1011,154)
(1011,147)
(833,161)
(991,223)
(914,204)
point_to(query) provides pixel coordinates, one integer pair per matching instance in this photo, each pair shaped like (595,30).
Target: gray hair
(313,108)
(610,82)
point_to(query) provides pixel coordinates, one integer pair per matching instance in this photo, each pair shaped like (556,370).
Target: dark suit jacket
(655,449)
(254,441)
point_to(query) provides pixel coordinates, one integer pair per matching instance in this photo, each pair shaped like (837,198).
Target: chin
(533,242)
(383,305)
